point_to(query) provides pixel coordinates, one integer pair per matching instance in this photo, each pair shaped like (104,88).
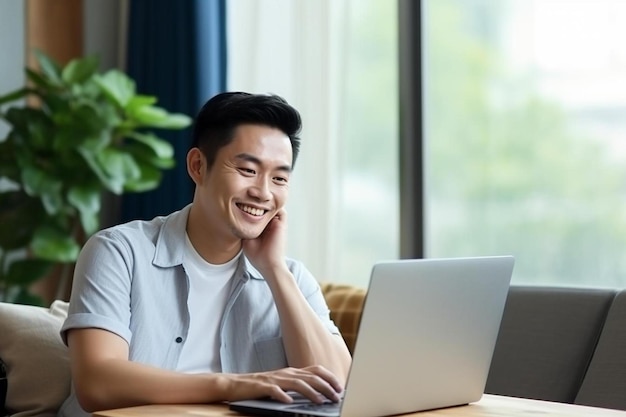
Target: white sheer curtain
(336,61)
(290,48)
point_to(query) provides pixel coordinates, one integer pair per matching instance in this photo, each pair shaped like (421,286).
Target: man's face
(247,184)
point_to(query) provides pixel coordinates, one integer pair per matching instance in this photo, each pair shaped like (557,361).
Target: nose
(261,189)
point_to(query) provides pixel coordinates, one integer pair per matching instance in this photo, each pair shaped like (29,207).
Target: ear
(196,165)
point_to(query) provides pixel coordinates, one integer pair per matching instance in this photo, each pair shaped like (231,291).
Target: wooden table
(488,406)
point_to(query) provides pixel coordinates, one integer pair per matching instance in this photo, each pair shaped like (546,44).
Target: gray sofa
(562,344)
(557,344)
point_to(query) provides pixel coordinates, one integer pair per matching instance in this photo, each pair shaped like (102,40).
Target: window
(525,135)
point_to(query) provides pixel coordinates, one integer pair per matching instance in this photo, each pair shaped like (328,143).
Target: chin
(247,234)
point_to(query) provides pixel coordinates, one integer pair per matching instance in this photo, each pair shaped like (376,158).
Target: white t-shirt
(208,294)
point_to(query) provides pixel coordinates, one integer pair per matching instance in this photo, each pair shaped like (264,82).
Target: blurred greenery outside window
(525,135)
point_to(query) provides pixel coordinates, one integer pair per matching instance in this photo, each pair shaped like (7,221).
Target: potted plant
(74,134)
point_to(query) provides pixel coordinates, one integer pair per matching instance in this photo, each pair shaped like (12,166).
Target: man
(202,305)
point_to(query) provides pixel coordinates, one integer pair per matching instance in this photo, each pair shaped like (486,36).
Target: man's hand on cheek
(267,251)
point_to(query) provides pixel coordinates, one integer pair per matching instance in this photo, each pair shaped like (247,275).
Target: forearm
(116,383)
(307,341)
(104,378)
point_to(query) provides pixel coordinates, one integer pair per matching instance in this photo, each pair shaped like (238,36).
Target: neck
(207,242)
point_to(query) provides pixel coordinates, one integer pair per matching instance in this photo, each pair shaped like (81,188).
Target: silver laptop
(426,339)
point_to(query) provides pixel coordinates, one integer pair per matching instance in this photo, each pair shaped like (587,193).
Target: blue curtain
(176,52)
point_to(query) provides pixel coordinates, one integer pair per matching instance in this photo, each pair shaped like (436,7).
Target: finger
(278,394)
(281,214)
(325,389)
(311,386)
(327,376)
(303,388)
(282,211)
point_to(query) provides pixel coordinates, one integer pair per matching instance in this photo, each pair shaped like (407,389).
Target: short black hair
(214,126)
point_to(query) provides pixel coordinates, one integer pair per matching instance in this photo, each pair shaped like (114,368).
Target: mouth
(253,211)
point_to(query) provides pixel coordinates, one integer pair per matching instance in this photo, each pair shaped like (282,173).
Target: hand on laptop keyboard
(315,383)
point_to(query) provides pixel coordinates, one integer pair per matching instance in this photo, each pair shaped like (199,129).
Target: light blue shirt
(129,280)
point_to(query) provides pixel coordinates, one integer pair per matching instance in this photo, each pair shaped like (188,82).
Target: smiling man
(202,305)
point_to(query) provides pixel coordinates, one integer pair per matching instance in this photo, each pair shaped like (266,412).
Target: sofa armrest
(605,381)
(546,341)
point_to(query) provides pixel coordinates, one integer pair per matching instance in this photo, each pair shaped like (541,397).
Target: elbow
(92,397)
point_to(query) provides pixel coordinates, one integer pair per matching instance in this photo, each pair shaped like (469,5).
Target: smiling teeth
(252,210)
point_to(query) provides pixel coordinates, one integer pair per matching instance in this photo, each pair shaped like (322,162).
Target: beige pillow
(36,359)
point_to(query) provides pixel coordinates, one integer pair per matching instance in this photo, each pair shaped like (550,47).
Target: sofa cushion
(605,381)
(36,359)
(345,303)
(546,341)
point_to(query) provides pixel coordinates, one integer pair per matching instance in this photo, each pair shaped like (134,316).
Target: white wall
(11,49)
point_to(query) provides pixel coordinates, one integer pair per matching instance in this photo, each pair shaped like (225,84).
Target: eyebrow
(253,159)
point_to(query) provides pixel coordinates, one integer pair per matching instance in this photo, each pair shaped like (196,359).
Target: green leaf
(26,271)
(48,67)
(115,185)
(160,147)
(139,101)
(149,180)
(37,79)
(54,245)
(143,154)
(158,117)
(39,183)
(97,142)
(117,86)
(33,125)
(174,121)
(19,217)
(147,115)
(52,201)
(14,95)
(118,164)
(90,222)
(55,103)
(107,113)
(9,167)
(87,200)
(79,70)
(81,123)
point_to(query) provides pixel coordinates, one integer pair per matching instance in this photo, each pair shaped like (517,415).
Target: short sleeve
(102,286)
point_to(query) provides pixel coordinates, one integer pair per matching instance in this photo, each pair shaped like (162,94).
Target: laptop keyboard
(325,407)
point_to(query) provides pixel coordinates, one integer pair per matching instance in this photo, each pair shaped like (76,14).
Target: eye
(246,171)
(282,180)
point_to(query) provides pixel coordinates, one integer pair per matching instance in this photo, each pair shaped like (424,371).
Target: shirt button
(179,339)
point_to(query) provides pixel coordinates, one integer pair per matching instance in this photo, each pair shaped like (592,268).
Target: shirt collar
(248,269)
(170,245)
